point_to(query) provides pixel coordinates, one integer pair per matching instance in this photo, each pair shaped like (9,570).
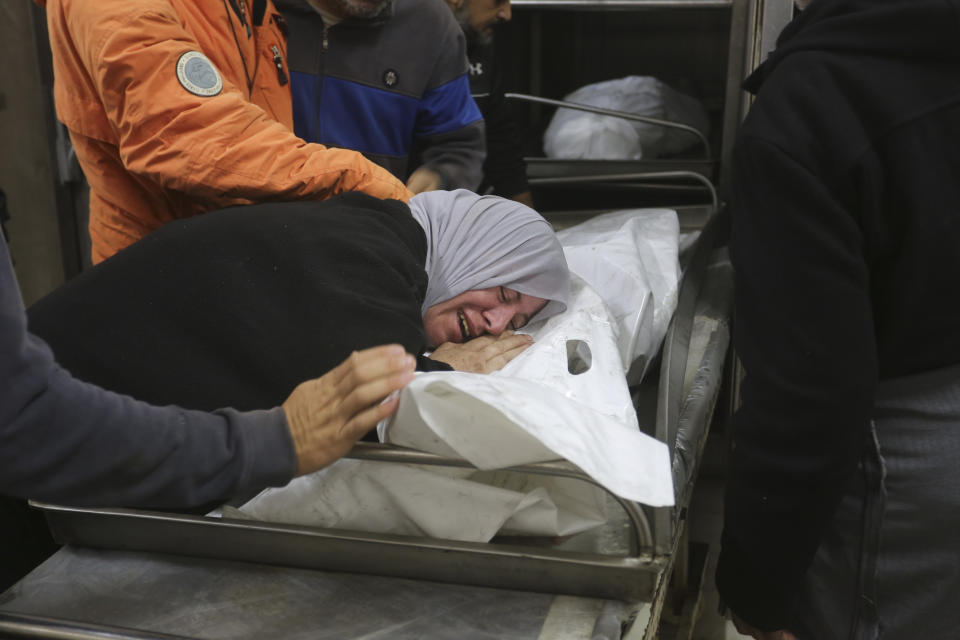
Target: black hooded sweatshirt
(235,308)
(846,248)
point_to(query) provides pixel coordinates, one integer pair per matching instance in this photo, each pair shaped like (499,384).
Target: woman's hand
(483,354)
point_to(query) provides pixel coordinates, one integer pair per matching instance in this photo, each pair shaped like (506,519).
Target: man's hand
(327,415)
(749,630)
(423,179)
(483,354)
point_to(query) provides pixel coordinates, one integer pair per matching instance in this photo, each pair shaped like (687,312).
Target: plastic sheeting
(565,397)
(574,134)
(453,504)
(631,259)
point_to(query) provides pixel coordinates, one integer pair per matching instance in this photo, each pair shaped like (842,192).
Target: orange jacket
(153,150)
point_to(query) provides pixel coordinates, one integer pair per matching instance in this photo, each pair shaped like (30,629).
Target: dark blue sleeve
(66,441)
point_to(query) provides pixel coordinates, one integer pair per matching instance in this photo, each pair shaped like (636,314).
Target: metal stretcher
(626,561)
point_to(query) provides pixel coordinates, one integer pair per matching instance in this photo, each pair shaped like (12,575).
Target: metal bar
(676,351)
(702,391)
(734,96)
(539,167)
(642,536)
(509,566)
(692,217)
(16,625)
(617,114)
(625,177)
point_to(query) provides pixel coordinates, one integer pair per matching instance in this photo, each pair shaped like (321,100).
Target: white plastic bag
(574,134)
(631,259)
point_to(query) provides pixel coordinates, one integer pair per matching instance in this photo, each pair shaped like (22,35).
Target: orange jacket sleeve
(215,147)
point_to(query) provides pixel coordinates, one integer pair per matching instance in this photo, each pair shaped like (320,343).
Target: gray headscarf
(477,242)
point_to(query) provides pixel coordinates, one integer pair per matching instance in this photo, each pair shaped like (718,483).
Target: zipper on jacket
(324,45)
(243,59)
(278,61)
(240,8)
(243,17)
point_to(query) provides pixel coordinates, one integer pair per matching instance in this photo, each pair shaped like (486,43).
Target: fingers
(371,394)
(374,362)
(510,354)
(493,345)
(370,383)
(369,376)
(504,349)
(508,342)
(370,417)
(327,415)
(483,354)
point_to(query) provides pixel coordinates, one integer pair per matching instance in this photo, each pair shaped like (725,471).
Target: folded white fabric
(437,502)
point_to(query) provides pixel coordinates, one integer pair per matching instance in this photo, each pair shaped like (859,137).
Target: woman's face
(474,313)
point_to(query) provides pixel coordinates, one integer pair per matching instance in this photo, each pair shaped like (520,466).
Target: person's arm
(210,147)
(449,131)
(66,441)
(803,328)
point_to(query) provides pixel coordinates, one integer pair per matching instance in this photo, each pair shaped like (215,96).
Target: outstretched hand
(327,415)
(483,354)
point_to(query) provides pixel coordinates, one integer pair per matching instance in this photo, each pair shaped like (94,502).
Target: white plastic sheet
(631,259)
(565,397)
(445,503)
(574,134)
